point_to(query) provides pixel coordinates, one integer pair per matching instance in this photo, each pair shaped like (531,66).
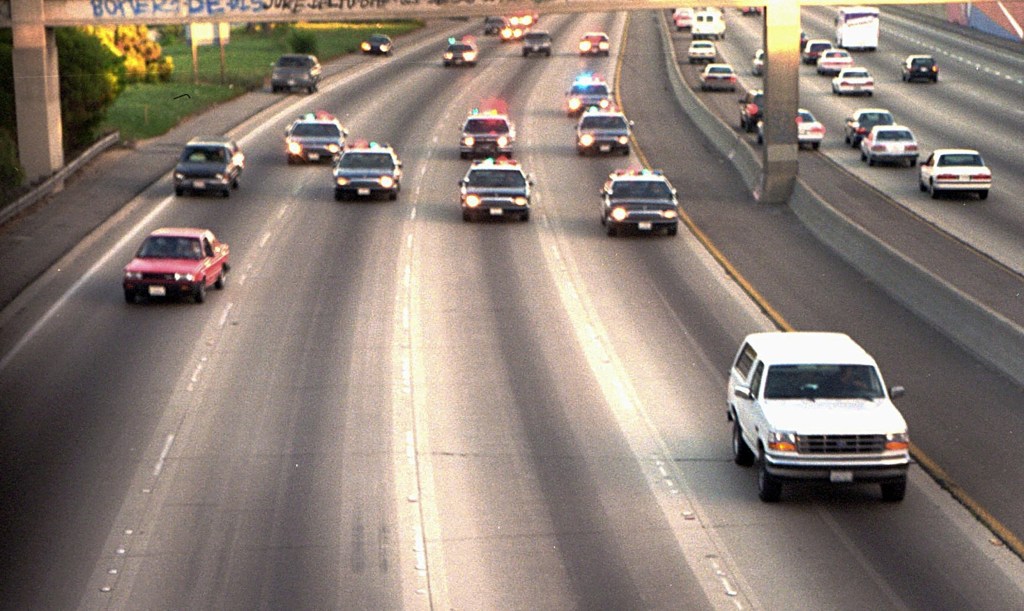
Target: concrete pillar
(782,98)
(36,91)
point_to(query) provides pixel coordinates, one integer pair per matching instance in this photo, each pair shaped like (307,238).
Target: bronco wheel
(769,489)
(894,491)
(742,455)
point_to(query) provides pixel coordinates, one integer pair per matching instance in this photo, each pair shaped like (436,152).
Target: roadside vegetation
(148,109)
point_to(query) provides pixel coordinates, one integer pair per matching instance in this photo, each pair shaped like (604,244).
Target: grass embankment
(144,110)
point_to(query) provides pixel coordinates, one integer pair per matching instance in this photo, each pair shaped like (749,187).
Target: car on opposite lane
(495,188)
(494,24)
(751,109)
(595,43)
(603,131)
(919,67)
(314,137)
(809,131)
(367,169)
(682,18)
(832,61)
(639,200)
(377,44)
(955,170)
(176,262)
(537,42)
(813,49)
(701,51)
(718,77)
(860,122)
(757,63)
(296,71)
(890,144)
(208,164)
(855,80)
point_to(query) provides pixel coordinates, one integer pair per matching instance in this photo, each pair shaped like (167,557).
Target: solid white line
(224,316)
(163,455)
(263,241)
(87,276)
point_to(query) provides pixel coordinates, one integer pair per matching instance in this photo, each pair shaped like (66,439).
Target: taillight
(946,177)
(910,147)
(878,148)
(869,82)
(981,177)
(862,130)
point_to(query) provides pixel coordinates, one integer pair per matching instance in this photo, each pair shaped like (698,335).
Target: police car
(603,131)
(495,188)
(587,90)
(368,169)
(460,53)
(643,200)
(487,134)
(314,137)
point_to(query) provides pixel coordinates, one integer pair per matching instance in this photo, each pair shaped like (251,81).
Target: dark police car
(643,200)
(495,188)
(368,170)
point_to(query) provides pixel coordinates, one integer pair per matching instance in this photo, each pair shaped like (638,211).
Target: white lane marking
(224,317)
(264,239)
(163,455)
(86,277)
(281,212)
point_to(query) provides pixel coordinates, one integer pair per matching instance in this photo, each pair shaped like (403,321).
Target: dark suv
(294,71)
(921,67)
(209,164)
(751,109)
(537,41)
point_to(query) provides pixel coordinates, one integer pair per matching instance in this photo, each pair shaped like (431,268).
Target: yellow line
(932,468)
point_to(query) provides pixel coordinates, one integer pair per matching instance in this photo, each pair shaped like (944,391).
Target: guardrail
(56,181)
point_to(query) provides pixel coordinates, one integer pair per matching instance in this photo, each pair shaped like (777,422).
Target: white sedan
(833,61)
(889,143)
(955,170)
(702,51)
(809,131)
(853,80)
(718,77)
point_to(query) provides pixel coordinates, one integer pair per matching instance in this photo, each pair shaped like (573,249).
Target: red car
(177,262)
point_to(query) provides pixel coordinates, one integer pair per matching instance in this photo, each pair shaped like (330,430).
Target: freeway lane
(559,392)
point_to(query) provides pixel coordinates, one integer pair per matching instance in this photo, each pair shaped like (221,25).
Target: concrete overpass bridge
(37,89)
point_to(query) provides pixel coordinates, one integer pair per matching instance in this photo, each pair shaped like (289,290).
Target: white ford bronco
(813,406)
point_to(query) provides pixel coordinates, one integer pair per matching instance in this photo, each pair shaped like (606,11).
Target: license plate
(644,226)
(314,156)
(363,191)
(497,211)
(157,290)
(839,477)
(605,148)
(291,81)
(199,184)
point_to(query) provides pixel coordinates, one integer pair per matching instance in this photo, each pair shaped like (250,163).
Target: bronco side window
(744,360)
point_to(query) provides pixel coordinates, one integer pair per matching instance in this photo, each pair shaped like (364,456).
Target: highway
(388,407)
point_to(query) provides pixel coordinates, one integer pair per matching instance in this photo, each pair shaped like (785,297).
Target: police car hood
(641,203)
(497,191)
(312,140)
(597,131)
(834,416)
(157,265)
(362,172)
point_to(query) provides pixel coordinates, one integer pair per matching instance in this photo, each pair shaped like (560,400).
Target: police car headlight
(187,277)
(623,139)
(178,176)
(448,55)
(575,103)
(605,102)
(133,275)
(472,201)
(387,182)
(502,141)
(342,180)
(586,139)
(469,56)
(294,148)
(385,48)
(619,214)
(669,214)
(365,46)
(522,201)
(469,140)
(221,177)
(585,45)
(334,148)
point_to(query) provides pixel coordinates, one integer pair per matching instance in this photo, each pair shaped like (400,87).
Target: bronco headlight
(294,148)
(619,214)
(472,201)
(897,441)
(782,442)
(387,182)
(586,139)
(188,277)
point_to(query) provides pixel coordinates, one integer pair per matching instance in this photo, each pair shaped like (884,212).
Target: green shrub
(302,41)
(90,81)
(11,174)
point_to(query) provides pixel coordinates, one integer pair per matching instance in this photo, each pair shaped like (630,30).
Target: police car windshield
(163,247)
(496,178)
(644,189)
(204,154)
(822,382)
(377,161)
(603,122)
(590,89)
(486,126)
(316,130)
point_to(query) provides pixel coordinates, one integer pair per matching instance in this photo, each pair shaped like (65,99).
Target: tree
(91,78)
(143,56)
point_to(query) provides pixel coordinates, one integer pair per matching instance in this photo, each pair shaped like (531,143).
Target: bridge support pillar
(36,91)
(782,97)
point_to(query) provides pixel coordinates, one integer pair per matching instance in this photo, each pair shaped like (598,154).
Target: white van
(812,406)
(708,24)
